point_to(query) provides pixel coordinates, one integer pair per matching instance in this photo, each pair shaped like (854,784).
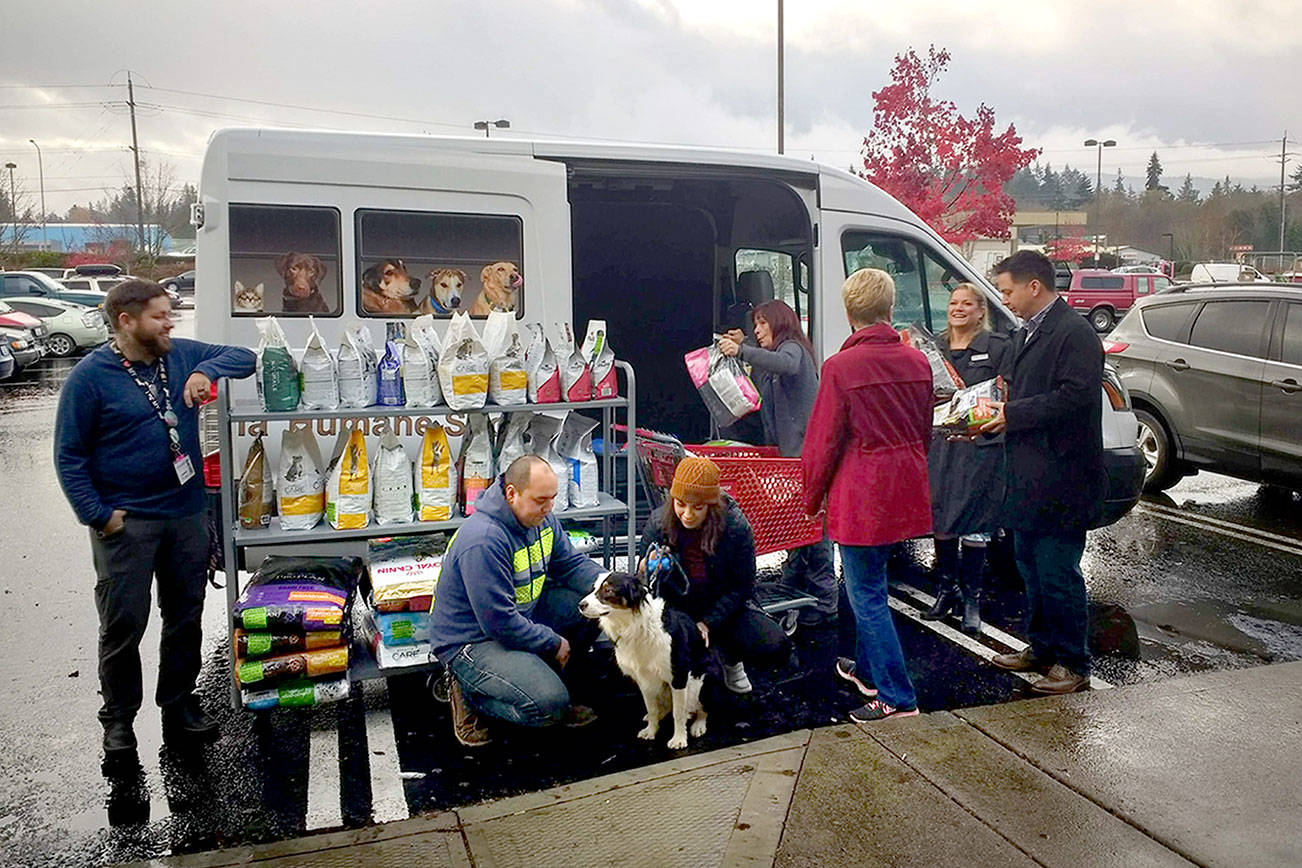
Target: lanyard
(164,411)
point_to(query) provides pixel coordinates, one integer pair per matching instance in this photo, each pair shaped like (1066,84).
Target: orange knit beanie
(696,479)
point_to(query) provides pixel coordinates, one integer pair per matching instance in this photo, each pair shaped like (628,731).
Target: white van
(1226,272)
(666,244)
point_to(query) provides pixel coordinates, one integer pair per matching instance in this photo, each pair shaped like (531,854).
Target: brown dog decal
(302,273)
(387,287)
(501,282)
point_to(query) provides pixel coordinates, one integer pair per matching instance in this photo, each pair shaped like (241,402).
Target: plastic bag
(463,365)
(508,382)
(435,477)
(296,694)
(392,481)
(601,360)
(357,368)
(318,376)
(298,593)
(515,440)
(390,392)
(348,493)
(277,375)
(540,367)
(725,388)
(576,379)
(420,360)
(254,644)
(970,408)
(289,667)
(257,495)
(945,380)
(575,445)
(300,482)
(544,428)
(477,471)
(405,571)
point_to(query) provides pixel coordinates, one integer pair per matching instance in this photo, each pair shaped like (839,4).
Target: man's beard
(157,345)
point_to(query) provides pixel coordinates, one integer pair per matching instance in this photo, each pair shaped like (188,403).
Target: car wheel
(172,287)
(61,346)
(1102,319)
(1155,444)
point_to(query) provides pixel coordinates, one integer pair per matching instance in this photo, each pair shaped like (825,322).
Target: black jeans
(1057,608)
(749,635)
(176,551)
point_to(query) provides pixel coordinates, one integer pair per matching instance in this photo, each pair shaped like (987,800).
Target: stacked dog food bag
(291,637)
(395,620)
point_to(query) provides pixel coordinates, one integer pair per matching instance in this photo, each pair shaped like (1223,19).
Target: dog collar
(438,308)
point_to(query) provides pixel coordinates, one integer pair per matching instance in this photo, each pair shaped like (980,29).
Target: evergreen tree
(1051,188)
(1297,179)
(1154,174)
(1187,192)
(1119,188)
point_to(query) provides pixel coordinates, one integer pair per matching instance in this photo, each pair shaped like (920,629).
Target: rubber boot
(948,596)
(974,563)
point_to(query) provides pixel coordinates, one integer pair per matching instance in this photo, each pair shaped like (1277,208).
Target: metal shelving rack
(362,666)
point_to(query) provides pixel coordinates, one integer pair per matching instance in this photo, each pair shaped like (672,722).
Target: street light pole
(13,205)
(781,87)
(1098,183)
(40,166)
(486,126)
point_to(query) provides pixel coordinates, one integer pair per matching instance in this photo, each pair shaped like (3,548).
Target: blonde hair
(981,300)
(869,296)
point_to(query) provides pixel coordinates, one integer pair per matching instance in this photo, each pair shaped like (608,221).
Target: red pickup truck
(1103,296)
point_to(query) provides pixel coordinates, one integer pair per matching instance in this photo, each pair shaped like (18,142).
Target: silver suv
(1215,375)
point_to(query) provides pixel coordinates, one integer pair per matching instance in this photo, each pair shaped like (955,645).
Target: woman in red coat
(865,459)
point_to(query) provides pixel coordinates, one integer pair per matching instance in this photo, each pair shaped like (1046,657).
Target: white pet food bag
(435,476)
(300,483)
(358,378)
(508,382)
(601,360)
(576,379)
(545,428)
(427,337)
(392,479)
(477,470)
(575,445)
(515,440)
(420,376)
(463,366)
(348,489)
(540,367)
(318,374)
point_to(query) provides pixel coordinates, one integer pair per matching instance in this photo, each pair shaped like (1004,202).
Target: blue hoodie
(493,574)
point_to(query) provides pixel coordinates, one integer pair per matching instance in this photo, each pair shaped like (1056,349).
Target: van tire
(1102,318)
(1160,471)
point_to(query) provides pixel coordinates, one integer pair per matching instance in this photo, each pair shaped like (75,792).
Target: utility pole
(40,166)
(1283,159)
(781,88)
(135,149)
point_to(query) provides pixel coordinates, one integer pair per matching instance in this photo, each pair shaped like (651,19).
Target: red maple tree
(1070,249)
(947,169)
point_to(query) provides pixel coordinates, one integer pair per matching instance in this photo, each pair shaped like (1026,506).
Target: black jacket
(729,572)
(1054,440)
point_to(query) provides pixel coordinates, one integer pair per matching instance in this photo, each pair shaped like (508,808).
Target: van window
(1293,335)
(1101,282)
(1167,321)
(414,262)
(285,261)
(782,269)
(1231,327)
(922,282)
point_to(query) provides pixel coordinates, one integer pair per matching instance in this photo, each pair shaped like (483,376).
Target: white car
(72,326)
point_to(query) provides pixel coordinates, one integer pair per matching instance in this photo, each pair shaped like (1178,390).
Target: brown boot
(466,725)
(1023,661)
(1060,680)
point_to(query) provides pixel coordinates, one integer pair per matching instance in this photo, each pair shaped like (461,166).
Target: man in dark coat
(1054,445)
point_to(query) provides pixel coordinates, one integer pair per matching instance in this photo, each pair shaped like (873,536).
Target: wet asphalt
(1205,577)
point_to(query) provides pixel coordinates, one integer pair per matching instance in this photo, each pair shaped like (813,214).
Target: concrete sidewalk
(1200,770)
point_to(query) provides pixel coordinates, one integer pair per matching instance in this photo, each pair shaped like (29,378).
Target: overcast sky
(1210,84)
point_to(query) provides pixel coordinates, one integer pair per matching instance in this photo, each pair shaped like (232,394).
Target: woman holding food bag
(967,474)
(787,378)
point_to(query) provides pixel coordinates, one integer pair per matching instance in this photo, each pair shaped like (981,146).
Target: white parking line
(388,799)
(324,798)
(1225,528)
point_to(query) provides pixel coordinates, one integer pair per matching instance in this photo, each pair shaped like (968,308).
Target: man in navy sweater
(126,447)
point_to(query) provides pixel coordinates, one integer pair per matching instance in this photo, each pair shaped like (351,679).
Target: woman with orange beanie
(714,578)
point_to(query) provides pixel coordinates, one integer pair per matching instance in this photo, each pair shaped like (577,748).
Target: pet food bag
(296,694)
(420,360)
(477,469)
(348,489)
(390,392)
(392,479)
(970,408)
(357,368)
(574,444)
(400,628)
(515,439)
(405,571)
(277,375)
(544,428)
(508,381)
(294,593)
(300,483)
(601,360)
(257,494)
(725,388)
(576,379)
(318,375)
(289,667)
(255,644)
(435,476)
(540,366)
(945,379)
(463,365)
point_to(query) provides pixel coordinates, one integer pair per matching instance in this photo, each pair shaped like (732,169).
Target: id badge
(184,468)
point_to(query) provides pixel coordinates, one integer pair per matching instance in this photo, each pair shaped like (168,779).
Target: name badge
(981,357)
(184,468)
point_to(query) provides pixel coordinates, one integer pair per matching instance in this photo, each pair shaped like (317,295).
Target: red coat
(865,449)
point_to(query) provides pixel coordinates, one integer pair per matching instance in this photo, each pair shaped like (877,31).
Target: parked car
(31,284)
(94,269)
(181,283)
(1215,376)
(103,283)
(1226,272)
(7,364)
(1103,296)
(1136,269)
(15,319)
(20,344)
(71,326)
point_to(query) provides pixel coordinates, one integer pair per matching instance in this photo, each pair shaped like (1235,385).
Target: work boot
(466,725)
(948,596)
(1022,661)
(972,613)
(577,716)
(119,740)
(735,678)
(186,721)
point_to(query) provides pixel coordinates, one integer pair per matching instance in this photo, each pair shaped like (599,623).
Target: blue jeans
(1058,613)
(516,686)
(877,646)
